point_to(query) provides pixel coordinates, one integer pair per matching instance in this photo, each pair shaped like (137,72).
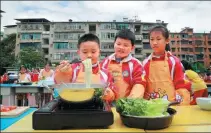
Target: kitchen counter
(187,119)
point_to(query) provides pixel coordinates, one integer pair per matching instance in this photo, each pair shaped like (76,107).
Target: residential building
(9,29)
(58,40)
(190,46)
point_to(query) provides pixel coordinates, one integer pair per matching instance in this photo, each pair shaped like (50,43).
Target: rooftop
(33,20)
(10,26)
(2,11)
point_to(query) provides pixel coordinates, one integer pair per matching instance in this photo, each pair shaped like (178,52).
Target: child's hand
(64,66)
(108,95)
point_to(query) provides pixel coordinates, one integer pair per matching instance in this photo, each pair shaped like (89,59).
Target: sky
(178,14)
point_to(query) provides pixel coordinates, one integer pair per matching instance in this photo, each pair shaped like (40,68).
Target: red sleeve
(179,76)
(138,74)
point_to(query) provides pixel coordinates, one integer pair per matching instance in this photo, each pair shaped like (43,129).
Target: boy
(88,47)
(126,70)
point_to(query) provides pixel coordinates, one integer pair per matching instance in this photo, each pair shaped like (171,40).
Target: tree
(7,51)
(31,58)
(198,67)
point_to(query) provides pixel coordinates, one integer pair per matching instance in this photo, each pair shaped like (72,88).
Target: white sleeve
(28,76)
(40,74)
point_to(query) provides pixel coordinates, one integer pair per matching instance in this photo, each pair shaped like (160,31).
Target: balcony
(145,40)
(139,56)
(182,52)
(30,31)
(45,45)
(107,50)
(185,45)
(47,56)
(46,34)
(138,37)
(71,30)
(30,40)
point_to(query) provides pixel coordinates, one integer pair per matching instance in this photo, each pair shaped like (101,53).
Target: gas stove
(57,115)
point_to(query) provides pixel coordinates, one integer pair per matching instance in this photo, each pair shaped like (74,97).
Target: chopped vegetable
(142,107)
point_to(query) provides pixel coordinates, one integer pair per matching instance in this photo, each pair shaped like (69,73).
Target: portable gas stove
(58,114)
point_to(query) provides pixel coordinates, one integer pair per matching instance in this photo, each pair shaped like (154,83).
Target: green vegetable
(98,94)
(142,107)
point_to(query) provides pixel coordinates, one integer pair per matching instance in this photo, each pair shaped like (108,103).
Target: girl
(199,87)
(164,74)
(23,77)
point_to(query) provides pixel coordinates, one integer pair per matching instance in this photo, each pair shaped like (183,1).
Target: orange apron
(46,74)
(159,82)
(119,82)
(22,77)
(81,75)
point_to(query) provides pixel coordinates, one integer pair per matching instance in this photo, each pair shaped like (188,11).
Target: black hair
(88,37)
(126,34)
(48,63)
(186,65)
(164,32)
(168,48)
(23,67)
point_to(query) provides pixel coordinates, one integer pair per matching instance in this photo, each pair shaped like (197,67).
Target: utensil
(67,91)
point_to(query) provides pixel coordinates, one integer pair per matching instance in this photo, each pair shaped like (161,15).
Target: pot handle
(173,103)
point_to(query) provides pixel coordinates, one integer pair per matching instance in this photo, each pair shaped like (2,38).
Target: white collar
(126,59)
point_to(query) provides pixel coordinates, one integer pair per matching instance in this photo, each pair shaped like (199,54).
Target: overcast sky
(178,14)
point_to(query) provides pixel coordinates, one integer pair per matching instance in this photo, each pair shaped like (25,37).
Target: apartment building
(9,29)
(194,47)
(58,40)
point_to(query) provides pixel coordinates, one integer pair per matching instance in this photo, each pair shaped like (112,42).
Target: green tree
(31,57)
(7,51)
(198,67)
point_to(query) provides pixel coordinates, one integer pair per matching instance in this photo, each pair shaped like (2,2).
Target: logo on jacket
(125,73)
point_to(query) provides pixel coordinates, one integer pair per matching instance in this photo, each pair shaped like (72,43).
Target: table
(191,115)
(8,94)
(9,91)
(188,119)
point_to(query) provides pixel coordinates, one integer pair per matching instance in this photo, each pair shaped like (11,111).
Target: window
(108,36)
(145,36)
(32,45)
(122,26)
(138,50)
(184,41)
(173,49)
(173,42)
(146,46)
(199,49)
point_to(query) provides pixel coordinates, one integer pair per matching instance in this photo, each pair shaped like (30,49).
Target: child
(35,75)
(164,73)
(126,70)
(23,77)
(46,73)
(88,47)
(199,87)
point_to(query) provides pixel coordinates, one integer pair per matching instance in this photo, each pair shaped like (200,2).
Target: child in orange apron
(88,47)
(23,77)
(164,73)
(46,74)
(126,70)
(199,87)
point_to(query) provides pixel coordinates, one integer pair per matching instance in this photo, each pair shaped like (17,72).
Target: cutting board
(14,113)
